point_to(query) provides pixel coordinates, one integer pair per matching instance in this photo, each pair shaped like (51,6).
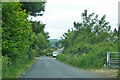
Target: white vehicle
(55,54)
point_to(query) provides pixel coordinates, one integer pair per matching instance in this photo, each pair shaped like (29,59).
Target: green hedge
(95,58)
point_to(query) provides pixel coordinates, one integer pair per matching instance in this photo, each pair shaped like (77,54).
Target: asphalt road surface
(46,67)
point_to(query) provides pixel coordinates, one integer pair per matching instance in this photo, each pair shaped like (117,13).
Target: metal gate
(113,59)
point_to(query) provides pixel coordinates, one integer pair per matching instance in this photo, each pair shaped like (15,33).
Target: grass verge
(106,73)
(27,67)
(84,65)
(15,71)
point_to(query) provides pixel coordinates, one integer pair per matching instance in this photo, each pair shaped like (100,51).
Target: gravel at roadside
(107,73)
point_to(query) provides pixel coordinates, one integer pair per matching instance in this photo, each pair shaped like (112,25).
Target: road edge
(27,68)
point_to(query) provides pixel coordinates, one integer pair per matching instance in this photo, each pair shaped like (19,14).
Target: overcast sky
(59,15)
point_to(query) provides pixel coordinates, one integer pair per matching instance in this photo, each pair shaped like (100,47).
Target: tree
(90,26)
(22,39)
(35,8)
(90,31)
(88,42)
(16,30)
(38,27)
(40,38)
(56,44)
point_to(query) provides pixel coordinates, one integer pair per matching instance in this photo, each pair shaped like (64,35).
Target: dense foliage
(22,39)
(0,42)
(36,7)
(87,44)
(48,51)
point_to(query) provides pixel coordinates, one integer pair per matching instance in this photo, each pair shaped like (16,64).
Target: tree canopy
(22,39)
(88,42)
(34,8)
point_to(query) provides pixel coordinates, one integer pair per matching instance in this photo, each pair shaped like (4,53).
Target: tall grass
(15,70)
(95,58)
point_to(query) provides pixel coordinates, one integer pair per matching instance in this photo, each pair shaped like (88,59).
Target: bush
(95,58)
(48,54)
(48,51)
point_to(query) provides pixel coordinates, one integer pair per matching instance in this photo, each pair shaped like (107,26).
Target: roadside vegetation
(22,39)
(87,43)
(48,52)
(0,42)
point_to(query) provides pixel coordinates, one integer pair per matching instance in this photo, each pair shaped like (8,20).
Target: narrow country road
(46,67)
